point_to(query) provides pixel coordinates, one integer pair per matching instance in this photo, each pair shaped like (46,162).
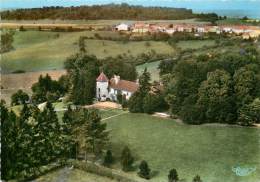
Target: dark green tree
(95,132)
(50,135)
(150,103)
(197,179)
(19,97)
(108,159)
(46,89)
(144,170)
(173,176)
(136,101)
(244,85)
(112,66)
(144,82)
(250,113)
(82,71)
(127,159)
(215,99)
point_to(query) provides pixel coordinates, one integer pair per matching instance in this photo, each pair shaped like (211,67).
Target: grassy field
(195,44)
(68,175)
(152,68)
(210,151)
(38,50)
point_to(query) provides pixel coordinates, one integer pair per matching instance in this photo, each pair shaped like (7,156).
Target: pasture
(10,83)
(40,50)
(152,68)
(208,150)
(195,44)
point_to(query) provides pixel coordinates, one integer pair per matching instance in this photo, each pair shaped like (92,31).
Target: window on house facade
(98,89)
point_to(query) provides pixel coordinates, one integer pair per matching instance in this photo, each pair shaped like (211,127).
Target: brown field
(10,83)
(81,24)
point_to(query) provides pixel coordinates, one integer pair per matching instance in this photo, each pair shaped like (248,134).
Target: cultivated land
(10,83)
(93,23)
(208,150)
(39,50)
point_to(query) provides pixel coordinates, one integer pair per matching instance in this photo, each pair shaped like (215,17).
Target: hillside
(105,12)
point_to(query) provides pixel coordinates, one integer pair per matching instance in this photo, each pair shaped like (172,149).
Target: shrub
(197,179)
(173,176)
(144,170)
(108,159)
(18,71)
(127,159)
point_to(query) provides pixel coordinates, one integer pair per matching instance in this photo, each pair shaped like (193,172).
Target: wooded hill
(95,12)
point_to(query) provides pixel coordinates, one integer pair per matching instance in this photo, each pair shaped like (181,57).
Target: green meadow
(40,50)
(195,44)
(208,150)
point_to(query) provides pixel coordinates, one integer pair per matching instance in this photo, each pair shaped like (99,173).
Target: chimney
(117,79)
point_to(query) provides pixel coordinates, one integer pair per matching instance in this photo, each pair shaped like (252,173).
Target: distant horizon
(230,8)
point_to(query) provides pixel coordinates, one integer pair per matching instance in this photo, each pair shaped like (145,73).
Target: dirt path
(114,116)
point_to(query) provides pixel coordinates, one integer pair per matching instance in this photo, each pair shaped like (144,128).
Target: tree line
(35,138)
(106,12)
(95,12)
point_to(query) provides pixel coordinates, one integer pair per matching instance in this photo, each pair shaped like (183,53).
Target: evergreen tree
(46,89)
(95,132)
(144,170)
(197,179)
(150,103)
(173,176)
(50,134)
(108,159)
(82,71)
(144,82)
(136,101)
(19,97)
(127,159)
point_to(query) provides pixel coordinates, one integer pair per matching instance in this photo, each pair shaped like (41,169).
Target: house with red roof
(110,89)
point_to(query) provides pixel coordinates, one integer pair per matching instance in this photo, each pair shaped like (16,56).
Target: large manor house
(109,89)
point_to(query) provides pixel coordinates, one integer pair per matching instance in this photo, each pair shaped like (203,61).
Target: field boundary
(98,169)
(114,116)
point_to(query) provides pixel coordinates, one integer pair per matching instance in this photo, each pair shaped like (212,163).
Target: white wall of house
(122,27)
(102,90)
(200,29)
(170,31)
(127,94)
(113,94)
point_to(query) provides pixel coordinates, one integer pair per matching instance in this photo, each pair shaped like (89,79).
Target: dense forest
(95,12)
(221,88)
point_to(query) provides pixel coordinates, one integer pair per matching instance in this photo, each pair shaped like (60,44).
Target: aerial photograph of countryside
(130,90)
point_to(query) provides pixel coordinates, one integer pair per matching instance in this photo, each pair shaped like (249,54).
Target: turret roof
(102,78)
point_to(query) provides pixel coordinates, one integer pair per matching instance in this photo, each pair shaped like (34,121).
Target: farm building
(123,27)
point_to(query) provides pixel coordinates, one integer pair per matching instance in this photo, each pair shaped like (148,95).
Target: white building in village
(109,89)
(123,27)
